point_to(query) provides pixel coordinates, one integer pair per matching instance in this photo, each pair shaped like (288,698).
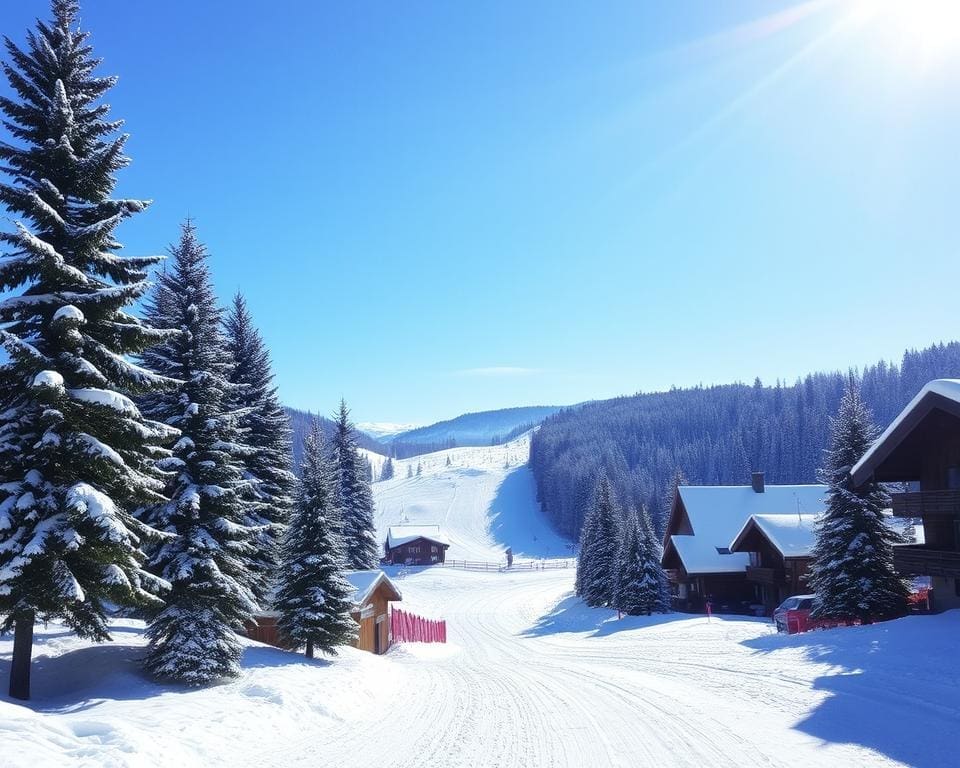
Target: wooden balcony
(770,576)
(917,560)
(926,504)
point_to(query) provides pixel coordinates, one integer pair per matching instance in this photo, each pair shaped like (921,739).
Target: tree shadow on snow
(516,520)
(84,678)
(571,614)
(894,687)
(259,656)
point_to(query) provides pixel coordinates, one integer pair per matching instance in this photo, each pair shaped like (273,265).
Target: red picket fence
(407,628)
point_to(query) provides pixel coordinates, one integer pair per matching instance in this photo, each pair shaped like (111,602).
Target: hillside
(483,497)
(482,428)
(714,435)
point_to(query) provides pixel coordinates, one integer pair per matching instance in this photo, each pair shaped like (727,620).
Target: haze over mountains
(400,441)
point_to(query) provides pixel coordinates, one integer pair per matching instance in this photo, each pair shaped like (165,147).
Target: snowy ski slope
(484,500)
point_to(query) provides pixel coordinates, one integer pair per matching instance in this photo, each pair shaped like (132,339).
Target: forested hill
(714,435)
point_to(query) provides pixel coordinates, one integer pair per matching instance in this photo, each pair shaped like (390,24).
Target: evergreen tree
(265,428)
(354,498)
(386,473)
(597,565)
(852,571)
(76,455)
(313,596)
(642,583)
(419,468)
(409,471)
(207,557)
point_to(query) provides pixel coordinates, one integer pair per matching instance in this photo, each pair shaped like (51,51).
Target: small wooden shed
(373,593)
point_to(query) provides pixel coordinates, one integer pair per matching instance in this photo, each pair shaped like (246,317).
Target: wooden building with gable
(704,522)
(780,548)
(921,448)
(373,591)
(415,545)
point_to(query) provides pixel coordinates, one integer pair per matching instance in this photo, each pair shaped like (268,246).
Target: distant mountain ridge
(478,429)
(470,429)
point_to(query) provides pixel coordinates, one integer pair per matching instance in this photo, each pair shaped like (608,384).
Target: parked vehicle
(801,604)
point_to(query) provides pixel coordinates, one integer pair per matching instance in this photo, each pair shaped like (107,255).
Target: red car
(797,606)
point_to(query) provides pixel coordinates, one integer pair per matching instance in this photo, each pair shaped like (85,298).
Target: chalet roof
(365,583)
(791,535)
(939,393)
(717,513)
(403,534)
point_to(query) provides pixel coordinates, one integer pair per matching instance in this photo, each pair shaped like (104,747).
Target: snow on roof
(398,535)
(365,582)
(792,535)
(948,388)
(718,512)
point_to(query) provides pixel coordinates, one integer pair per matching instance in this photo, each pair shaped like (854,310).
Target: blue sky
(445,207)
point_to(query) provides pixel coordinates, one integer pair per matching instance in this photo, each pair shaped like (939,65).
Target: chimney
(757,482)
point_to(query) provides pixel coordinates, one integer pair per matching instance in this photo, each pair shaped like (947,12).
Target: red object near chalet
(406,627)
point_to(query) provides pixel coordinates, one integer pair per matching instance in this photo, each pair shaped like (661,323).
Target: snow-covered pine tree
(265,428)
(386,472)
(207,558)
(313,596)
(76,455)
(354,498)
(598,563)
(367,469)
(852,571)
(641,583)
(409,471)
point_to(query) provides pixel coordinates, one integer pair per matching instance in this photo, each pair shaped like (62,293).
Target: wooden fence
(526,565)
(407,628)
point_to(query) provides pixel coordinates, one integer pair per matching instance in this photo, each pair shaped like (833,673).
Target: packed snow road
(530,678)
(533,678)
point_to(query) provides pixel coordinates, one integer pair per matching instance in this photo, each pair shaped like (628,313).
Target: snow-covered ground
(530,678)
(484,500)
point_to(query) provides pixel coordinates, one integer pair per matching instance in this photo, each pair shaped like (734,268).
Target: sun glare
(925,31)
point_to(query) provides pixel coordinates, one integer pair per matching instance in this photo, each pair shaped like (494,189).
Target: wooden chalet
(921,448)
(779,547)
(372,594)
(705,520)
(415,545)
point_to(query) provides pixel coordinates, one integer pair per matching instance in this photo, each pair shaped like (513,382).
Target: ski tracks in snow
(507,695)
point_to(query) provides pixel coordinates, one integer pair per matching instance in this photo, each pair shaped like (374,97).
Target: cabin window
(433,549)
(755,559)
(413,550)
(953,478)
